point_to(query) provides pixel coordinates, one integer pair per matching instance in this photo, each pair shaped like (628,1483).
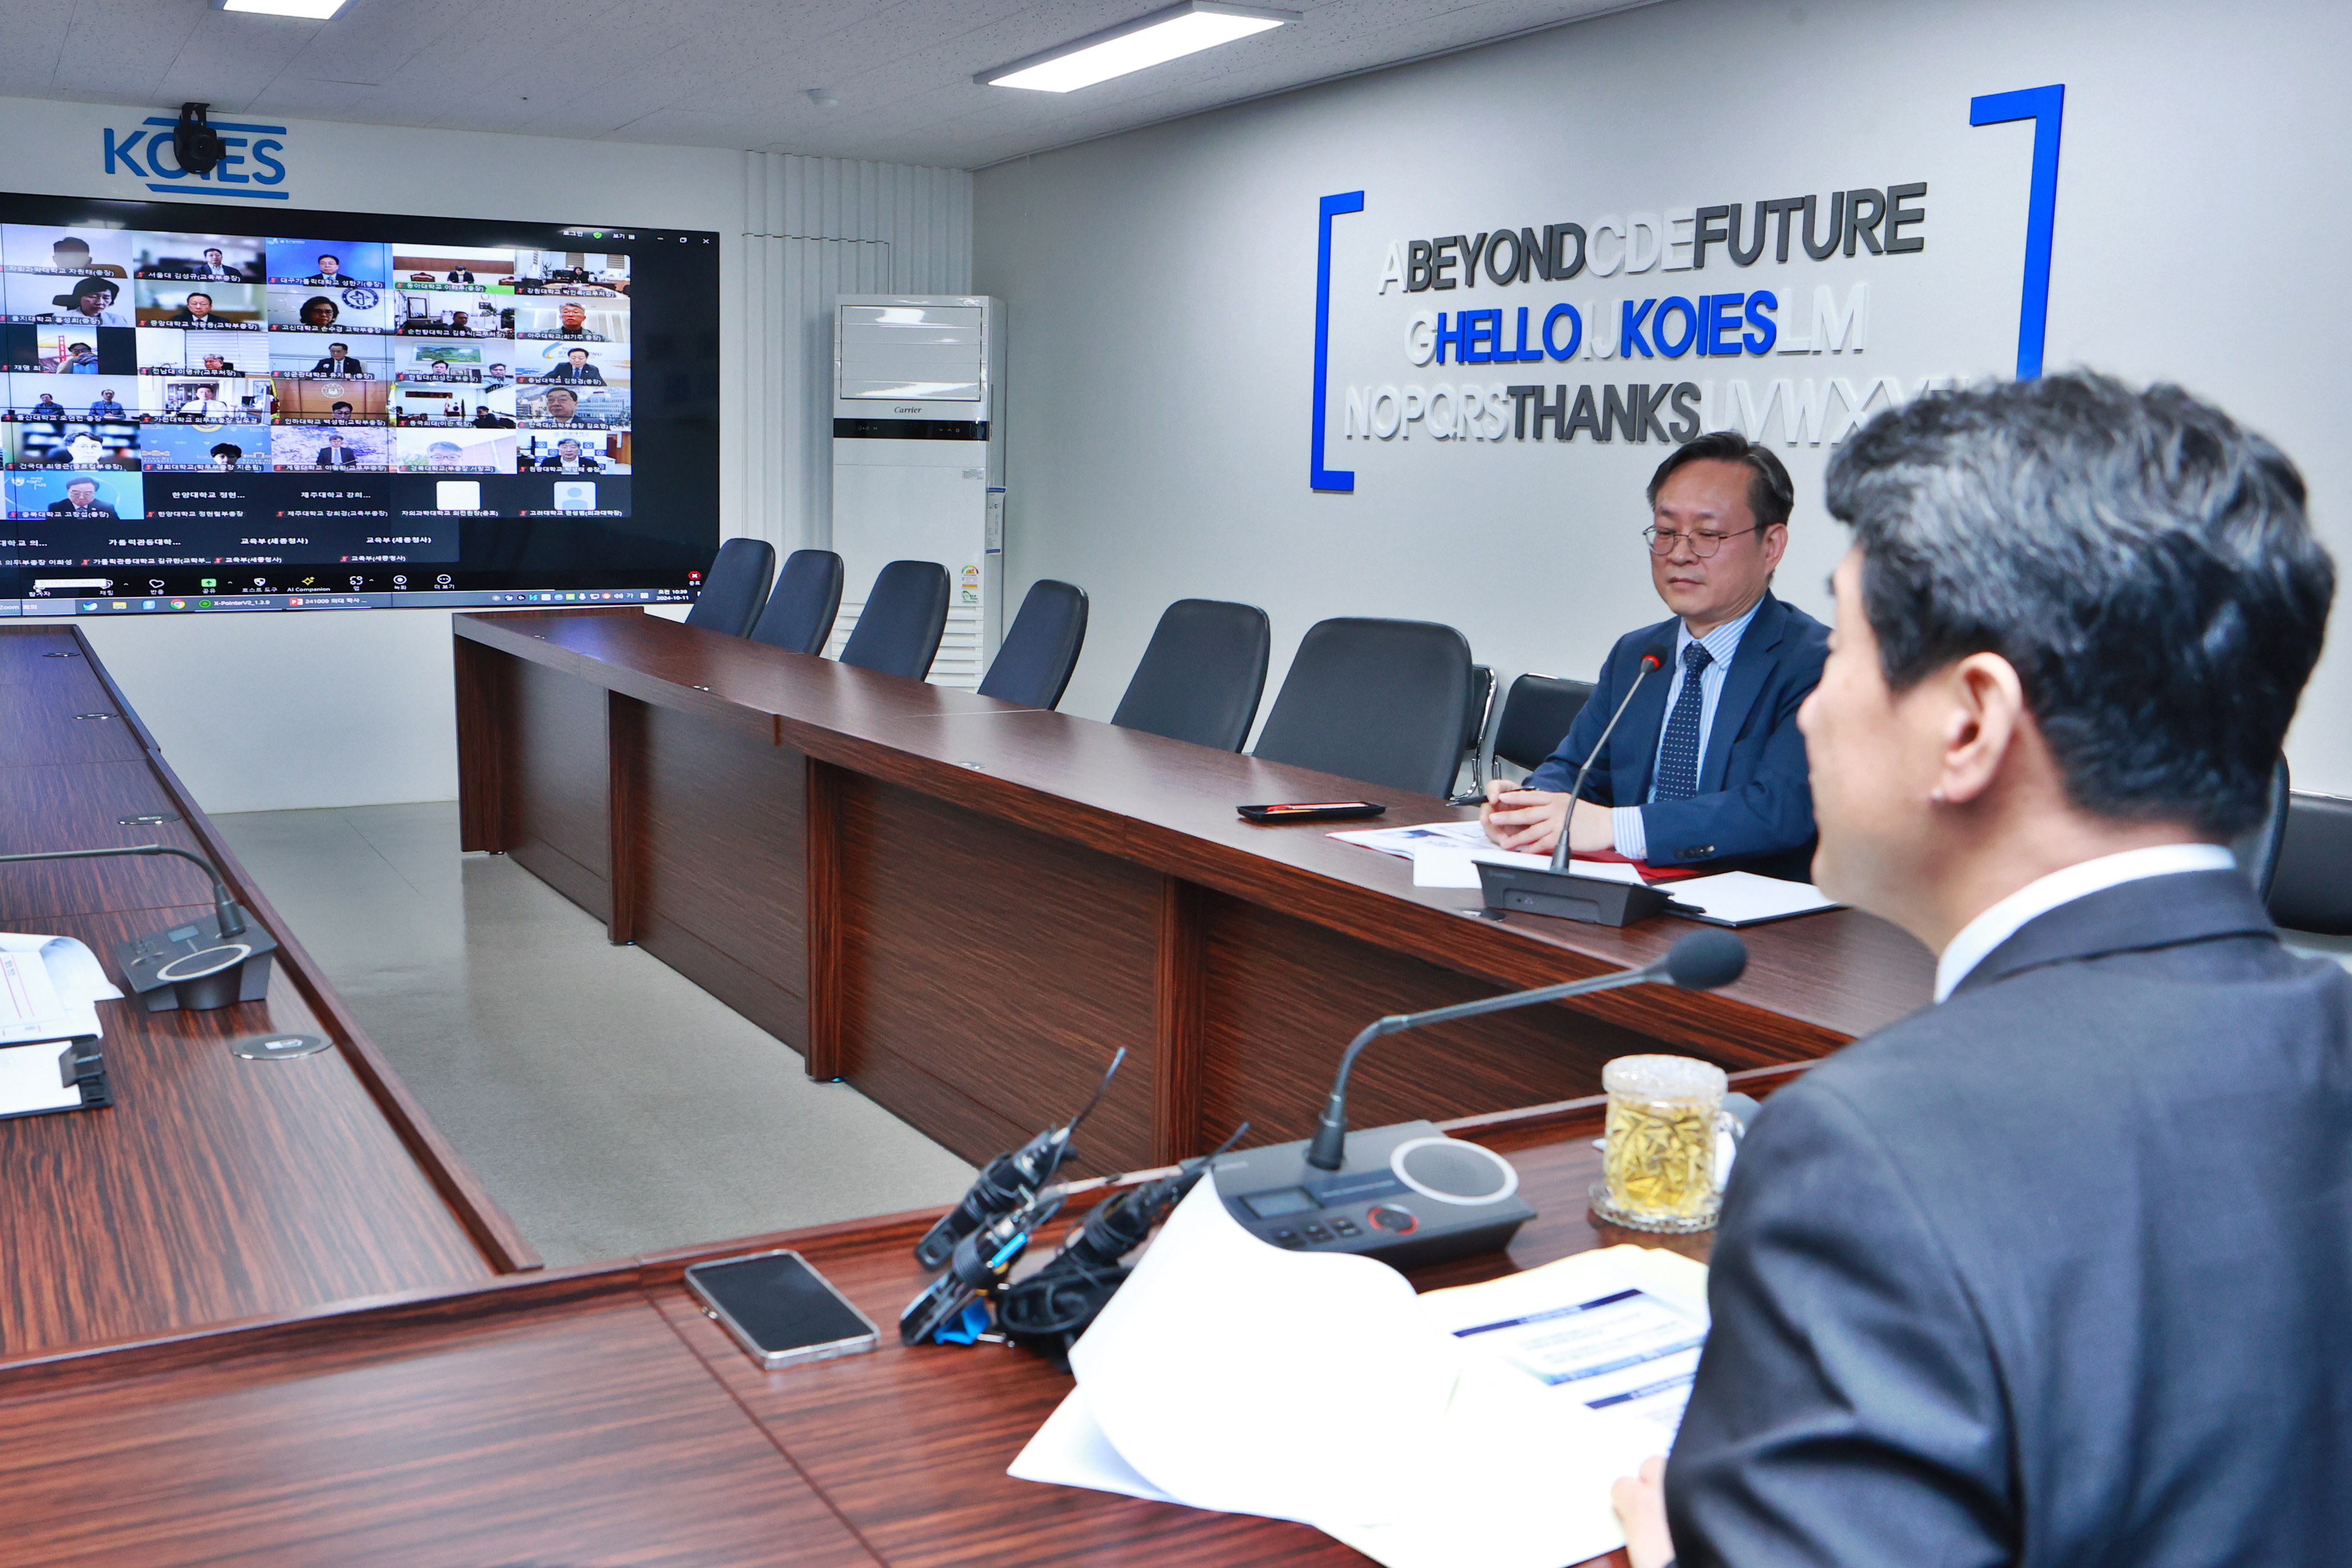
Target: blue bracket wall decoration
(2046,107)
(1318,476)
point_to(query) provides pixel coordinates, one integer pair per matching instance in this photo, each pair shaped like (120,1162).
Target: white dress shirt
(1625,821)
(1997,925)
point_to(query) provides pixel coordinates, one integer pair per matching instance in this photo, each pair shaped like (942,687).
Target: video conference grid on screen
(199,403)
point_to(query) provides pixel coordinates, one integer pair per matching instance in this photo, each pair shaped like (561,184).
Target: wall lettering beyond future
(1778,292)
(1672,318)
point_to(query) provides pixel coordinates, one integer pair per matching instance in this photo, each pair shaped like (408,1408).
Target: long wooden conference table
(258,1311)
(962,906)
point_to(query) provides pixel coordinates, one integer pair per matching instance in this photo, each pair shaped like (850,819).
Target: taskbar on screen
(420,597)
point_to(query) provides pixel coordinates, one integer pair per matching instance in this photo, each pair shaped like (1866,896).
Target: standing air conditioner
(918,460)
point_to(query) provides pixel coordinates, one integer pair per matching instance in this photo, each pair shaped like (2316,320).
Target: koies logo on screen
(251,169)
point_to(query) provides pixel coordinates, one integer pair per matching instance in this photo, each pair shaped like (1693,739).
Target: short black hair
(2144,564)
(229,450)
(1771,493)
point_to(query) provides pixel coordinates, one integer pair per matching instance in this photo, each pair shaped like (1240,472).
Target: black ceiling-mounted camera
(194,140)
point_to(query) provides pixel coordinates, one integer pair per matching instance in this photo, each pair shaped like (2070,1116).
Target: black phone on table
(780,1309)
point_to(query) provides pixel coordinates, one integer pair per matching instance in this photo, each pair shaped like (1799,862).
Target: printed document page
(32,1080)
(46,986)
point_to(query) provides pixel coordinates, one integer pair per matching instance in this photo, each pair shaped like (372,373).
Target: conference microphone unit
(187,966)
(1407,1193)
(1560,892)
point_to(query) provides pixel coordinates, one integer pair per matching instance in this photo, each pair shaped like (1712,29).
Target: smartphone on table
(780,1309)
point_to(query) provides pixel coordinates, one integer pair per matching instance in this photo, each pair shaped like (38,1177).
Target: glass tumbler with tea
(1659,1159)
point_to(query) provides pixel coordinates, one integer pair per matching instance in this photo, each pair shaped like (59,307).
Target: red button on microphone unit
(1389,1217)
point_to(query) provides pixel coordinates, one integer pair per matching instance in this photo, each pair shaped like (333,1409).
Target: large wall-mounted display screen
(214,408)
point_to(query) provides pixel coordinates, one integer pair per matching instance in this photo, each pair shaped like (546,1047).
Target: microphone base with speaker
(1407,1195)
(1564,894)
(193,967)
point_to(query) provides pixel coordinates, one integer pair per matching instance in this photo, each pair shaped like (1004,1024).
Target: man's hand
(1529,821)
(1641,1504)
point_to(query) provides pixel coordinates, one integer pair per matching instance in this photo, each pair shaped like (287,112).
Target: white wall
(1161,292)
(263,712)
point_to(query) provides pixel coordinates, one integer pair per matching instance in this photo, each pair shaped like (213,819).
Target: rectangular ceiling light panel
(310,10)
(1151,40)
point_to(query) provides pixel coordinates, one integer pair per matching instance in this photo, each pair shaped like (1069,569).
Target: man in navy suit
(2056,1270)
(1706,767)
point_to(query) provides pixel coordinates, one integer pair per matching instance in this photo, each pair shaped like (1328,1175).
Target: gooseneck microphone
(225,909)
(1699,962)
(1654,657)
(182,967)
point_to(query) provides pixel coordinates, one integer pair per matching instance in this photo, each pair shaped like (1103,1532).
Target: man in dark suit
(2058,1271)
(335,455)
(1706,767)
(81,501)
(569,460)
(339,363)
(577,368)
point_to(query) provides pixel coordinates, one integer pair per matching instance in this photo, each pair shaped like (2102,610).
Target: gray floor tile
(611,1105)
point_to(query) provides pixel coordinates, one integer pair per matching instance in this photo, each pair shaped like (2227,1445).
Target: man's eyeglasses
(1703,543)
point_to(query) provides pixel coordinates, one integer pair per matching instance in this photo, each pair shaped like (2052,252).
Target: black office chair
(2257,848)
(899,631)
(1474,733)
(2312,889)
(1202,674)
(1536,718)
(734,588)
(1381,701)
(800,613)
(1032,666)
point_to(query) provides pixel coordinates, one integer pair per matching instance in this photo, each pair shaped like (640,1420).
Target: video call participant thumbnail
(80,500)
(192,448)
(565,407)
(454,451)
(173,350)
(231,306)
(578,369)
(551,451)
(90,301)
(47,248)
(330,263)
(326,446)
(299,307)
(573,320)
(98,496)
(198,258)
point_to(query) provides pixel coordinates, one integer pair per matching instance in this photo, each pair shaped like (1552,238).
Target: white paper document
(1600,1328)
(1235,1375)
(1404,842)
(46,986)
(1447,865)
(1743,898)
(32,1080)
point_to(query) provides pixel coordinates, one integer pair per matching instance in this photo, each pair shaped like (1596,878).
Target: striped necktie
(1678,757)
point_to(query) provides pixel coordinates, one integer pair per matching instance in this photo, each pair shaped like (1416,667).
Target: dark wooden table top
(594,1415)
(1812,985)
(215,1190)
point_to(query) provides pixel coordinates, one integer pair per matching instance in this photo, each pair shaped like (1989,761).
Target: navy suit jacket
(1753,808)
(2058,1272)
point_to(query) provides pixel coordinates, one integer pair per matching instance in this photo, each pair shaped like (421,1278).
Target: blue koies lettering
(249,168)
